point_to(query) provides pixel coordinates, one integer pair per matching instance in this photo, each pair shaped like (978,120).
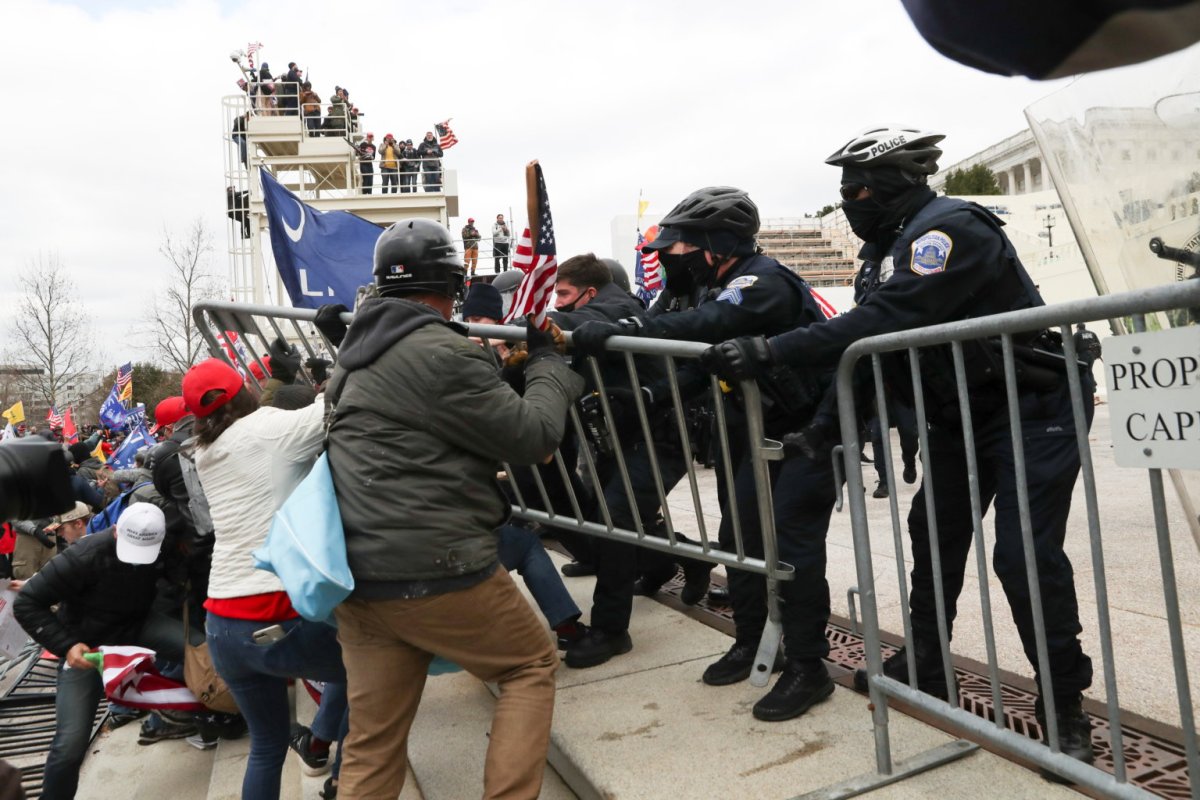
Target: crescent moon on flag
(294,233)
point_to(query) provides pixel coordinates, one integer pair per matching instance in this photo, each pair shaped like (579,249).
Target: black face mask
(865,217)
(693,264)
(679,280)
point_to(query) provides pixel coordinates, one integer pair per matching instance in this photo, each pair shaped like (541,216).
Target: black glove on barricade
(590,338)
(541,343)
(318,368)
(738,359)
(285,361)
(329,322)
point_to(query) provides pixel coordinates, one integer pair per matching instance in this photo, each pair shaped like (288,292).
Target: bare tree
(52,334)
(175,340)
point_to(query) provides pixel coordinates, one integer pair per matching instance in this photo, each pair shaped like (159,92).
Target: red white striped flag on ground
(130,678)
(446,137)
(536,255)
(828,310)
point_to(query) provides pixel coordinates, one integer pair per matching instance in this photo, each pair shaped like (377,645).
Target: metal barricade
(881,688)
(242,334)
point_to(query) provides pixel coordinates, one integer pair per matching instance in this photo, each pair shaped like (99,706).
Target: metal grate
(1154,753)
(27,716)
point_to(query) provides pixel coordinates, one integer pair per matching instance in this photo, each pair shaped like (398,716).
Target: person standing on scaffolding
(940,259)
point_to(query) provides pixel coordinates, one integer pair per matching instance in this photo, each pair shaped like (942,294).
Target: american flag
(130,678)
(828,310)
(446,137)
(251,49)
(538,261)
(54,418)
(125,383)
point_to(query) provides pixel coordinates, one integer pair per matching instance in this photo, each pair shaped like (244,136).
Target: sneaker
(881,490)
(578,569)
(118,719)
(1074,732)
(312,763)
(158,727)
(802,685)
(931,677)
(596,648)
(910,473)
(200,743)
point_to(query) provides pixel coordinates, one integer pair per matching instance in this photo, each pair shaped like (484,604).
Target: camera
(35,480)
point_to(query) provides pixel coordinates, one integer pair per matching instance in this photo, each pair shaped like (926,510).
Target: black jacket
(431,151)
(100,599)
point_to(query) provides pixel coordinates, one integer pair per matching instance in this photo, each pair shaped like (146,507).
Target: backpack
(197,500)
(112,512)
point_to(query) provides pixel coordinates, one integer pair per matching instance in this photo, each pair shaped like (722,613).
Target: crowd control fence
(568,493)
(1000,330)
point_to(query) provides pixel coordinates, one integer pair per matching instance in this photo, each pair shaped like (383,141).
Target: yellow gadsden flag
(16,414)
(99,453)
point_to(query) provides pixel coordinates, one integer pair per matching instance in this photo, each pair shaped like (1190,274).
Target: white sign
(1154,398)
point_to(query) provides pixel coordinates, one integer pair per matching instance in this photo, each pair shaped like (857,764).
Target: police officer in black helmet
(720,285)
(928,260)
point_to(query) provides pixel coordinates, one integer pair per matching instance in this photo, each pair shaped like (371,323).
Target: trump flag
(322,256)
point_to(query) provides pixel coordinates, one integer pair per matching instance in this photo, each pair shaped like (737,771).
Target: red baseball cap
(470,219)
(256,370)
(211,375)
(169,411)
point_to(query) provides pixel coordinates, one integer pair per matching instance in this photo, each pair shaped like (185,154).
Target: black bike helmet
(908,149)
(716,208)
(418,255)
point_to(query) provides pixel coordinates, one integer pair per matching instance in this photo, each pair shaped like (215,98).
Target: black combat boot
(931,677)
(732,667)
(1074,731)
(696,582)
(802,685)
(597,647)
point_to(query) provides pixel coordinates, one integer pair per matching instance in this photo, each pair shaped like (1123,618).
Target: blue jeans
(77,695)
(257,676)
(521,550)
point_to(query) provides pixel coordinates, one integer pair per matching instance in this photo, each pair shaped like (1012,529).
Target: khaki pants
(491,632)
(29,556)
(471,258)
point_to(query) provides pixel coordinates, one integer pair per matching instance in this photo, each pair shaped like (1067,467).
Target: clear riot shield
(1123,149)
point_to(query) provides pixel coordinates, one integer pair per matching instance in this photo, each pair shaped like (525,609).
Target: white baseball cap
(140,532)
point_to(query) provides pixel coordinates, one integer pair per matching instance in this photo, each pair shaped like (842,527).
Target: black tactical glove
(329,322)
(738,359)
(541,343)
(285,361)
(318,368)
(590,338)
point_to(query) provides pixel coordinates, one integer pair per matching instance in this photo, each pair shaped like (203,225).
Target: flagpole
(531,199)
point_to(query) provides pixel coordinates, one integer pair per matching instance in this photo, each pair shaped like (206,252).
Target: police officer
(927,260)
(723,286)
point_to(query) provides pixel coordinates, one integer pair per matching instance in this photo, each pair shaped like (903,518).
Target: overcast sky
(113,125)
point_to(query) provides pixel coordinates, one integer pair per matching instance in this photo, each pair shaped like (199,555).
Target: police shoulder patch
(742,281)
(931,253)
(730,295)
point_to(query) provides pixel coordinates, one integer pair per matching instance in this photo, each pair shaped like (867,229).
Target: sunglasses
(851,191)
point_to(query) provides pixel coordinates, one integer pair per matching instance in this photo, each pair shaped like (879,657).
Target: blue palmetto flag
(113,413)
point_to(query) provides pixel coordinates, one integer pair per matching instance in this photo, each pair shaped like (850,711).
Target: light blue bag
(306,547)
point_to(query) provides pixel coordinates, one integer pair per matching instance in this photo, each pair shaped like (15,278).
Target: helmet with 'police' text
(908,149)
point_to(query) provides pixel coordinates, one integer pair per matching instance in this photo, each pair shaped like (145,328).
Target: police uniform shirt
(951,263)
(757,296)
